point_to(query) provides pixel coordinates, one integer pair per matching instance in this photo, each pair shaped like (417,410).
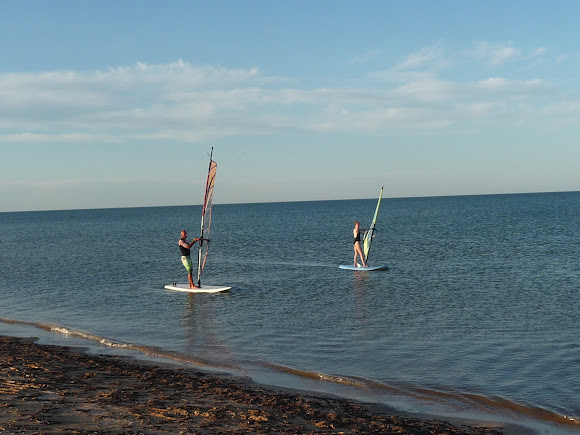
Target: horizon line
(298,201)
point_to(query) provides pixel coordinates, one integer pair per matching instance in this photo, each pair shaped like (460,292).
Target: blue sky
(117,104)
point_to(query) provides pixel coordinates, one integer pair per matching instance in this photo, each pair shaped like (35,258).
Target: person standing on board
(185,249)
(356,245)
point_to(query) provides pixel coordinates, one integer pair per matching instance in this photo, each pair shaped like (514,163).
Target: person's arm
(192,242)
(187,245)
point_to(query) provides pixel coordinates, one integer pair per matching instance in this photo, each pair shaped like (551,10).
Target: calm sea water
(477,316)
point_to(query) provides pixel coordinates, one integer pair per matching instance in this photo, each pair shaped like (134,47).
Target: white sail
(206,218)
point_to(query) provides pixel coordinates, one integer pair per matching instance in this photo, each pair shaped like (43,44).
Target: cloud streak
(496,54)
(426,58)
(187,103)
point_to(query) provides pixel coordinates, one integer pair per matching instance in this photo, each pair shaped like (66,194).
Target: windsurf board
(361,268)
(203,289)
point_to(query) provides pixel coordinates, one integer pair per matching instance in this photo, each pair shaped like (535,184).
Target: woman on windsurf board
(356,245)
(185,249)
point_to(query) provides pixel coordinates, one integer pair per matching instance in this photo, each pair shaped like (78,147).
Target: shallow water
(477,315)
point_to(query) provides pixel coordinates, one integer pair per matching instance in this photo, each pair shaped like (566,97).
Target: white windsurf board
(203,289)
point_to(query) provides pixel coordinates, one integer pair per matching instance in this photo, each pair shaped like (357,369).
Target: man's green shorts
(187,263)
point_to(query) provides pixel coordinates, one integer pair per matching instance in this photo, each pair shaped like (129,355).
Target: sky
(118,104)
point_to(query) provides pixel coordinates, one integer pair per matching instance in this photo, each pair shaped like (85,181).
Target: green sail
(368,237)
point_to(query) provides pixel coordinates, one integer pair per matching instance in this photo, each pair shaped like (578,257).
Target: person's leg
(190,278)
(360,253)
(189,267)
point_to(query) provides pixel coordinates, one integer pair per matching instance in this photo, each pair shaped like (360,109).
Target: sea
(477,316)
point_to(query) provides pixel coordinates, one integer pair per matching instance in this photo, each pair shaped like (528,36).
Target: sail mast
(206,218)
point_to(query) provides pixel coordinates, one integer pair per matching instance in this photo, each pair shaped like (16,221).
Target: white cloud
(569,110)
(540,51)
(478,110)
(186,103)
(373,121)
(496,54)
(431,57)
(427,90)
(531,88)
(126,101)
(493,83)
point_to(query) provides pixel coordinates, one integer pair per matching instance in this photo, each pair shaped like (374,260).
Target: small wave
(494,405)
(455,400)
(145,350)
(534,412)
(312,375)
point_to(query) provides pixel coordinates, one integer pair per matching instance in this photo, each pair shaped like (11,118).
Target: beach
(56,389)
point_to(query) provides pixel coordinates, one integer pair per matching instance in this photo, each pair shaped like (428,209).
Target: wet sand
(54,389)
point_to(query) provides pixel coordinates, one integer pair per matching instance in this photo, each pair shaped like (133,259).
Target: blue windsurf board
(361,268)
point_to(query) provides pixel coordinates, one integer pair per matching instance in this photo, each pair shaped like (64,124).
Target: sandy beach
(55,389)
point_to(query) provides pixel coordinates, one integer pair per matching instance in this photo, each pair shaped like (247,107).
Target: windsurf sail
(368,236)
(206,218)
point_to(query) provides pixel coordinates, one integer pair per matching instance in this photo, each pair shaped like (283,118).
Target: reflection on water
(201,331)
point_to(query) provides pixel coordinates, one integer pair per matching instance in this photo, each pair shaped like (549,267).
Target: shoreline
(60,389)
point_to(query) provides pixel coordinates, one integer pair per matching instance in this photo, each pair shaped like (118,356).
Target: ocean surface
(478,315)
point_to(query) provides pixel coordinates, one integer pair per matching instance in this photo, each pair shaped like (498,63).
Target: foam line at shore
(145,350)
(456,400)
(312,375)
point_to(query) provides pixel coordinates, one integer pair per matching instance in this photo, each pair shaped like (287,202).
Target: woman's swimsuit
(356,239)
